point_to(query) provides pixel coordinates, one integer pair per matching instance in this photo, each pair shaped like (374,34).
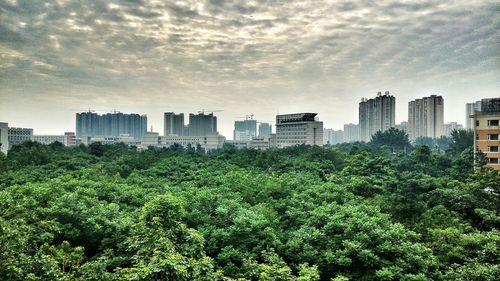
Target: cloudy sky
(58,57)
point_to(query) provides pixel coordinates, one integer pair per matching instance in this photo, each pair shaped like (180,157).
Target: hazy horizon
(58,58)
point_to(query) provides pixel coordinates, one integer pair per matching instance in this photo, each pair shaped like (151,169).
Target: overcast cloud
(261,57)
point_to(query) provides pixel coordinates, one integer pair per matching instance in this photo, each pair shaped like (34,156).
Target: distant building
(150,139)
(19,135)
(71,139)
(487,131)
(403,126)
(123,138)
(470,109)
(425,117)
(377,114)
(265,130)
(48,139)
(202,124)
(333,137)
(259,143)
(208,142)
(450,127)
(174,124)
(351,132)
(4,137)
(298,128)
(245,130)
(90,124)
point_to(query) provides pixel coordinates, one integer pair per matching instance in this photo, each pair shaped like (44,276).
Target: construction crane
(114,111)
(210,111)
(247,117)
(83,110)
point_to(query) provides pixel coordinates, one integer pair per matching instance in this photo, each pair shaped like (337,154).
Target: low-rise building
(19,135)
(208,142)
(48,139)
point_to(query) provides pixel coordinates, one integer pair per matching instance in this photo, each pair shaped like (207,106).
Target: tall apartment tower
(202,124)
(487,131)
(297,129)
(351,132)
(377,114)
(425,117)
(245,130)
(265,130)
(173,124)
(470,109)
(90,124)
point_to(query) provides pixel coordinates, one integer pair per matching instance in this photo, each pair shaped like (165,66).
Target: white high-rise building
(351,132)
(377,114)
(297,129)
(425,117)
(470,109)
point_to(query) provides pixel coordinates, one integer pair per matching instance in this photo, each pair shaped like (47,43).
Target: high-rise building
(174,124)
(377,114)
(90,124)
(4,137)
(265,130)
(487,131)
(351,132)
(202,124)
(470,109)
(450,127)
(245,130)
(298,128)
(332,137)
(19,135)
(425,117)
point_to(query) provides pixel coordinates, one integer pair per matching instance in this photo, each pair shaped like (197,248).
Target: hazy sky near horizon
(260,57)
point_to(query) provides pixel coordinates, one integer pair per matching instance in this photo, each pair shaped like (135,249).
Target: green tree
(393,138)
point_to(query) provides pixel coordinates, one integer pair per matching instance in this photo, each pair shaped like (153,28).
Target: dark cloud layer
(245,55)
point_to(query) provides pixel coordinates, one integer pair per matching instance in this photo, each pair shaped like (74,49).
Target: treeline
(377,211)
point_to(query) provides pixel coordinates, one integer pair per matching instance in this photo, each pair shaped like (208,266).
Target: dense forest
(382,210)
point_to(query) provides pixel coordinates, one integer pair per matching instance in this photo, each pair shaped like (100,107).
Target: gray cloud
(261,53)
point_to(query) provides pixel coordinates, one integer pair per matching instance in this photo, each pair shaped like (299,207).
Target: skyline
(263,57)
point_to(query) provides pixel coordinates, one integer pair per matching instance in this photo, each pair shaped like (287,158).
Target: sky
(262,57)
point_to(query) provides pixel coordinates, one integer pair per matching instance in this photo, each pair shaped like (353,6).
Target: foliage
(393,138)
(347,212)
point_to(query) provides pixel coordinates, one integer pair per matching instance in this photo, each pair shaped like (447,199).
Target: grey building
(174,124)
(245,130)
(351,132)
(48,139)
(202,124)
(4,137)
(403,126)
(90,124)
(297,129)
(377,114)
(265,130)
(450,127)
(425,117)
(19,135)
(470,109)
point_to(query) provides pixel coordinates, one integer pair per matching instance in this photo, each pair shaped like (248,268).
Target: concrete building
(71,139)
(150,139)
(377,114)
(487,131)
(470,109)
(450,127)
(90,124)
(297,129)
(245,130)
(351,132)
(260,143)
(4,137)
(202,124)
(425,117)
(208,142)
(48,139)
(265,130)
(332,137)
(19,135)
(123,138)
(173,124)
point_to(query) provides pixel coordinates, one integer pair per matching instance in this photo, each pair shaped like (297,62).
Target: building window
(493,160)
(493,122)
(493,148)
(493,137)
(477,123)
